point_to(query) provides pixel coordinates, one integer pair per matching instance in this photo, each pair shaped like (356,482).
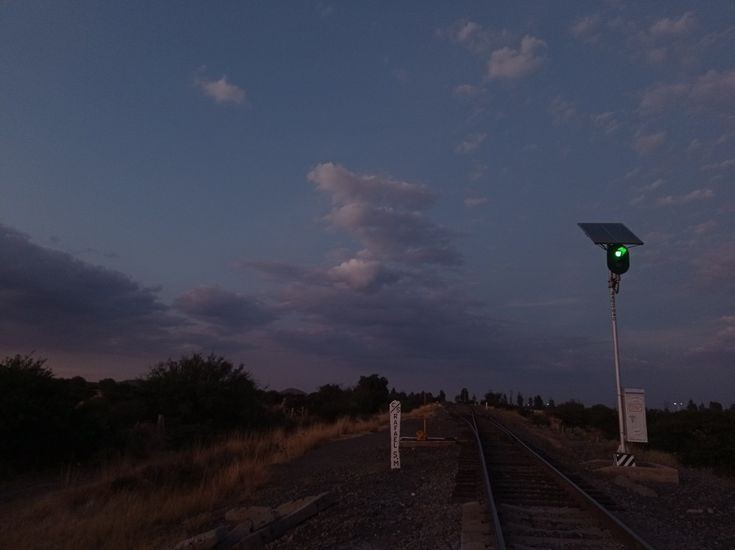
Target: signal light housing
(618,258)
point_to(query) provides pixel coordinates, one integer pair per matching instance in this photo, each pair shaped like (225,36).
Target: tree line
(698,436)
(501,399)
(46,421)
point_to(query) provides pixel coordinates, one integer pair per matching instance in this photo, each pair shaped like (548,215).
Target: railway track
(534,505)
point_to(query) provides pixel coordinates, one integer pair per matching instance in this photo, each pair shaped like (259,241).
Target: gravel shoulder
(377,508)
(699,512)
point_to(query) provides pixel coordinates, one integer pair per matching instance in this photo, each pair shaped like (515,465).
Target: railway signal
(617,240)
(618,258)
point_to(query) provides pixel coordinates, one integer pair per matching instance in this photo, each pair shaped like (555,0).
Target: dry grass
(653,456)
(151,504)
(427,410)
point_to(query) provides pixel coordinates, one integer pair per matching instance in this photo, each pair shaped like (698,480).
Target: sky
(322,190)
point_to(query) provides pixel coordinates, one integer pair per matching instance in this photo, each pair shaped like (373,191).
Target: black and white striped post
(624,459)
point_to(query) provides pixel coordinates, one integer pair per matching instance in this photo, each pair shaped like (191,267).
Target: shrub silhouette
(330,402)
(371,394)
(201,397)
(35,414)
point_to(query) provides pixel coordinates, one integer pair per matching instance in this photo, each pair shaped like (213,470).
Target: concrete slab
(294,513)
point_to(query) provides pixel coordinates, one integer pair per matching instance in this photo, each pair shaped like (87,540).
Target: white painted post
(395,435)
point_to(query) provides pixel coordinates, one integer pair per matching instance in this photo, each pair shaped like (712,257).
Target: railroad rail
(534,505)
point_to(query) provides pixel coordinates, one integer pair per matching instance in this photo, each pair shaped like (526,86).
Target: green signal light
(618,258)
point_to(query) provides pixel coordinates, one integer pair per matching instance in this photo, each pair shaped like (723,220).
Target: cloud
(281,271)
(717,264)
(714,273)
(348,187)
(648,143)
(479,170)
(696,195)
(606,122)
(721,342)
(466,91)
(655,184)
(657,55)
(394,234)
(405,321)
(363,275)
(466,31)
(402,76)
(385,215)
(672,26)
(324,9)
(712,92)
(562,111)
(508,63)
(660,96)
(222,91)
(472,202)
(472,36)
(643,191)
(55,303)
(470,143)
(723,165)
(49,298)
(704,228)
(381,304)
(586,28)
(637,200)
(665,40)
(224,309)
(553,302)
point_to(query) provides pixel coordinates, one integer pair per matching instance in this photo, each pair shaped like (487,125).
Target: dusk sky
(327,189)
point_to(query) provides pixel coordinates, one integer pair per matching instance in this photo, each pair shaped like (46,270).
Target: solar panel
(609,233)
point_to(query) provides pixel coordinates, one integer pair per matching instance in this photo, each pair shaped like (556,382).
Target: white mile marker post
(395,434)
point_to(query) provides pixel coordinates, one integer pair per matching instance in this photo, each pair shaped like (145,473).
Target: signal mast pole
(614,284)
(615,238)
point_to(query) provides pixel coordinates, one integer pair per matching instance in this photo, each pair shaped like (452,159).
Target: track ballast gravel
(377,508)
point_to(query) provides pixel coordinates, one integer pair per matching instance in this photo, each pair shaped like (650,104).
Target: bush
(201,397)
(540,419)
(330,402)
(572,414)
(36,414)
(698,438)
(604,419)
(371,394)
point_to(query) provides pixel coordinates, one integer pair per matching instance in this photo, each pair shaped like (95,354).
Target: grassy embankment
(147,504)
